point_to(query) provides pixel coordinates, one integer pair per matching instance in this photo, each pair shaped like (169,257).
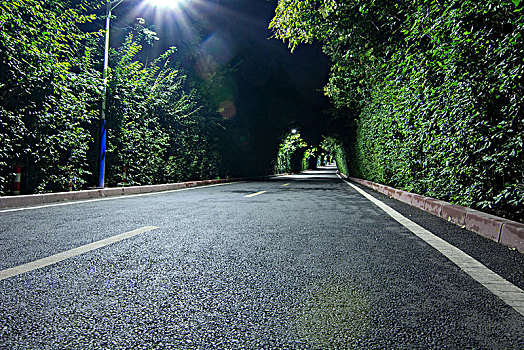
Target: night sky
(271,92)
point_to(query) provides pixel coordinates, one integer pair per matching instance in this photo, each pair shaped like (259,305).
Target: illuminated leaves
(45,107)
(436,88)
(51,86)
(288,151)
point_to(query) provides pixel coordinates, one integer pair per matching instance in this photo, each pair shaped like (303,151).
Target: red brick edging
(45,198)
(507,232)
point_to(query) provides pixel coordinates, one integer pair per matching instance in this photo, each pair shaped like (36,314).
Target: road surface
(292,262)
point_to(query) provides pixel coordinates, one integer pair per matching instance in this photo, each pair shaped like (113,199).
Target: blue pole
(102,155)
(102,164)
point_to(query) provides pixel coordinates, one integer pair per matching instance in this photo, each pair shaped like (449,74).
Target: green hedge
(159,127)
(435,89)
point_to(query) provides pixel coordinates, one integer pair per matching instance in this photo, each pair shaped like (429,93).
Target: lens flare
(218,46)
(206,67)
(227,109)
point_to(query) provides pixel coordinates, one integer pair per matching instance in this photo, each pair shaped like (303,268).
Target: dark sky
(271,92)
(229,31)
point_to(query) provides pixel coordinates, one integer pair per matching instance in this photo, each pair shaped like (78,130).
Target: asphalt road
(296,262)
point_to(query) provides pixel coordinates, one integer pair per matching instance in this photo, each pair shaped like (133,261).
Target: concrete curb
(39,199)
(507,232)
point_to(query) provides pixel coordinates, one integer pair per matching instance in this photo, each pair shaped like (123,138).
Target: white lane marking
(254,194)
(53,259)
(113,198)
(505,290)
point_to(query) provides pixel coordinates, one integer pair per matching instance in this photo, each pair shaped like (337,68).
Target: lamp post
(110,6)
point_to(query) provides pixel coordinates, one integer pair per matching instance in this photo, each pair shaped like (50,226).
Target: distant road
(293,262)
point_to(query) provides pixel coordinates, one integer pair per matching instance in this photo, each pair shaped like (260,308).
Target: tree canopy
(433,89)
(160,127)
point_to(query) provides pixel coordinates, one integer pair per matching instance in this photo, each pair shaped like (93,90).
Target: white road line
(113,198)
(508,292)
(254,194)
(53,259)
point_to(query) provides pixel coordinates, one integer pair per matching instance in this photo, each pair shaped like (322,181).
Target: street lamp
(110,6)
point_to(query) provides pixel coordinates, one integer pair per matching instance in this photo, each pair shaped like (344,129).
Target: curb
(39,199)
(503,231)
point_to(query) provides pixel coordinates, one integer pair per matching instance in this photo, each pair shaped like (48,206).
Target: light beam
(166,3)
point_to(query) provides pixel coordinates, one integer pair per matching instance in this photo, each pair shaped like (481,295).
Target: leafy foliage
(335,151)
(310,158)
(46,98)
(290,154)
(159,128)
(434,88)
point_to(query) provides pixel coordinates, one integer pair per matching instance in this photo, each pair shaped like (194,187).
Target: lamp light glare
(166,3)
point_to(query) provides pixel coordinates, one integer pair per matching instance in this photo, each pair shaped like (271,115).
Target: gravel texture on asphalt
(312,265)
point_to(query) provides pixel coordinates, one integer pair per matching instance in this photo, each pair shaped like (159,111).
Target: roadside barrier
(507,232)
(18,179)
(45,198)
(70,186)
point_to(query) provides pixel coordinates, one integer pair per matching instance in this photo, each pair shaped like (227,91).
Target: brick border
(506,232)
(39,199)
